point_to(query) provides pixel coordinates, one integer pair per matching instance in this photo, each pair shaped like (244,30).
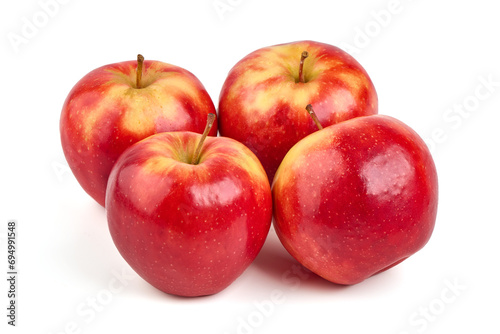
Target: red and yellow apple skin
(188,230)
(356,198)
(105,113)
(262,103)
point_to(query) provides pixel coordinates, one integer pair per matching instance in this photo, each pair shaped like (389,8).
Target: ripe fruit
(116,105)
(189,221)
(261,103)
(356,198)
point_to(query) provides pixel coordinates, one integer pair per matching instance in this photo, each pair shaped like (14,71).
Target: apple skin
(261,104)
(105,113)
(356,198)
(188,230)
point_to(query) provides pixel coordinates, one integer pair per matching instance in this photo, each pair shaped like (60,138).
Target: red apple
(262,101)
(356,198)
(188,227)
(116,105)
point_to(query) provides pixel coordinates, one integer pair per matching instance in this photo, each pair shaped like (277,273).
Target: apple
(116,105)
(356,198)
(262,100)
(189,221)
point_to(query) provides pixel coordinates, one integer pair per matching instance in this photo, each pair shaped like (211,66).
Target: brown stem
(210,122)
(303,57)
(311,112)
(138,79)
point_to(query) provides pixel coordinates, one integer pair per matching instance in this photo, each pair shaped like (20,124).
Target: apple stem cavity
(138,79)
(303,57)
(311,112)
(210,122)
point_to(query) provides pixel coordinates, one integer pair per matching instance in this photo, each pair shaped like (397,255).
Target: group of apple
(352,193)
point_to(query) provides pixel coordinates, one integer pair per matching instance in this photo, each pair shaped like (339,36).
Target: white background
(426,58)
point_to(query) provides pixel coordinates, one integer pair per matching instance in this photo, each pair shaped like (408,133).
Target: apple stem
(210,122)
(311,112)
(138,79)
(303,57)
